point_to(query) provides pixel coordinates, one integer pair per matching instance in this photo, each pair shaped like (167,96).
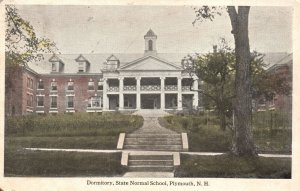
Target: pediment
(150,63)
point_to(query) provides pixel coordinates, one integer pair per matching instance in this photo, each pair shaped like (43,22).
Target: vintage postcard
(140,95)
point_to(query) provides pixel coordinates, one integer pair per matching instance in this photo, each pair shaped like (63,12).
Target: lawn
(20,162)
(76,131)
(228,166)
(205,135)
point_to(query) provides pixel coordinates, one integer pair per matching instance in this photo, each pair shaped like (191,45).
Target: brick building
(283,69)
(104,82)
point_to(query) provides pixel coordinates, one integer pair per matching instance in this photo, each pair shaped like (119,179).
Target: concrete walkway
(151,124)
(149,174)
(149,152)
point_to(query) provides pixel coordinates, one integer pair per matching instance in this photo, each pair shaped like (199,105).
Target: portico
(148,82)
(134,93)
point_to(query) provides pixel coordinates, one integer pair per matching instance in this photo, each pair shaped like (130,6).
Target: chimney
(215,48)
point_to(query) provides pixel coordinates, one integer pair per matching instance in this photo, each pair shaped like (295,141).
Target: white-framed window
(53,86)
(53,101)
(40,101)
(53,67)
(95,102)
(81,66)
(91,85)
(40,85)
(70,101)
(29,83)
(29,100)
(70,86)
(100,86)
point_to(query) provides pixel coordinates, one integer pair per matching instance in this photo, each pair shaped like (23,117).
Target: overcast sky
(121,29)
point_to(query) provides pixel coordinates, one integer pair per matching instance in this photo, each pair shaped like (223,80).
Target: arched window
(150,45)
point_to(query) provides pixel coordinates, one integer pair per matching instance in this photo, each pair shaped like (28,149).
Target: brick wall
(81,93)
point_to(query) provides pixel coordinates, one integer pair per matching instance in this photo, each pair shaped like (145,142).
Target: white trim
(53,111)
(40,111)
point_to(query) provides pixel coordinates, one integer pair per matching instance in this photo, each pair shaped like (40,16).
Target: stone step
(149,168)
(154,147)
(149,141)
(153,135)
(150,162)
(151,157)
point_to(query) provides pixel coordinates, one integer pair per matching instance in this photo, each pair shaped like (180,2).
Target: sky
(121,29)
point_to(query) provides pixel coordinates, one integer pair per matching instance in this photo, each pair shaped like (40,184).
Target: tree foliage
(217,71)
(243,142)
(21,42)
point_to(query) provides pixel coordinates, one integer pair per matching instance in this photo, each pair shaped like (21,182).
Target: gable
(150,63)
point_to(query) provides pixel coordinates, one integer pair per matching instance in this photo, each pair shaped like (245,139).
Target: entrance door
(150,101)
(113,102)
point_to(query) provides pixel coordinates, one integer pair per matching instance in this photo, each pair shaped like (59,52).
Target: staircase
(153,142)
(151,148)
(150,163)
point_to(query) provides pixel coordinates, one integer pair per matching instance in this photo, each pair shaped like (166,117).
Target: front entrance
(113,102)
(150,101)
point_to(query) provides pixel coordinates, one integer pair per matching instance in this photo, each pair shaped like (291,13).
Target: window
(54,67)
(70,86)
(40,101)
(53,86)
(91,85)
(100,86)
(53,103)
(81,66)
(70,100)
(150,45)
(40,85)
(94,102)
(29,100)
(30,83)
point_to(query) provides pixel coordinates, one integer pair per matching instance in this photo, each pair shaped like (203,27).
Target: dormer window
(83,64)
(112,63)
(81,67)
(54,68)
(56,64)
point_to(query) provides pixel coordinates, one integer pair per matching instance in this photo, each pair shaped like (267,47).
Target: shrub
(84,124)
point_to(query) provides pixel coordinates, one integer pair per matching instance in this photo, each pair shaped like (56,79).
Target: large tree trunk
(243,143)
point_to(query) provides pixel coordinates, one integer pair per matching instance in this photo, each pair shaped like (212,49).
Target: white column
(179,95)
(196,94)
(121,96)
(162,93)
(105,98)
(138,93)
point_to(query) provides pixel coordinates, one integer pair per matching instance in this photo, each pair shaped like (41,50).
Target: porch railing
(150,87)
(185,88)
(129,88)
(113,89)
(171,87)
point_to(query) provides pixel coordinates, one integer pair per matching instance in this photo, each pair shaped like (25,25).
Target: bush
(83,124)
(61,164)
(228,166)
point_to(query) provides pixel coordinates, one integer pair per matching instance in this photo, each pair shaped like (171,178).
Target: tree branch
(233,18)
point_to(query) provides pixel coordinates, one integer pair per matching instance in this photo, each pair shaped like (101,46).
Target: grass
(20,162)
(76,131)
(205,135)
(201,137)
(228,166)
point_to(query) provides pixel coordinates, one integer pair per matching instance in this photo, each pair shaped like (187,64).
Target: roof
(150,33)
(97,61)
(288,59)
